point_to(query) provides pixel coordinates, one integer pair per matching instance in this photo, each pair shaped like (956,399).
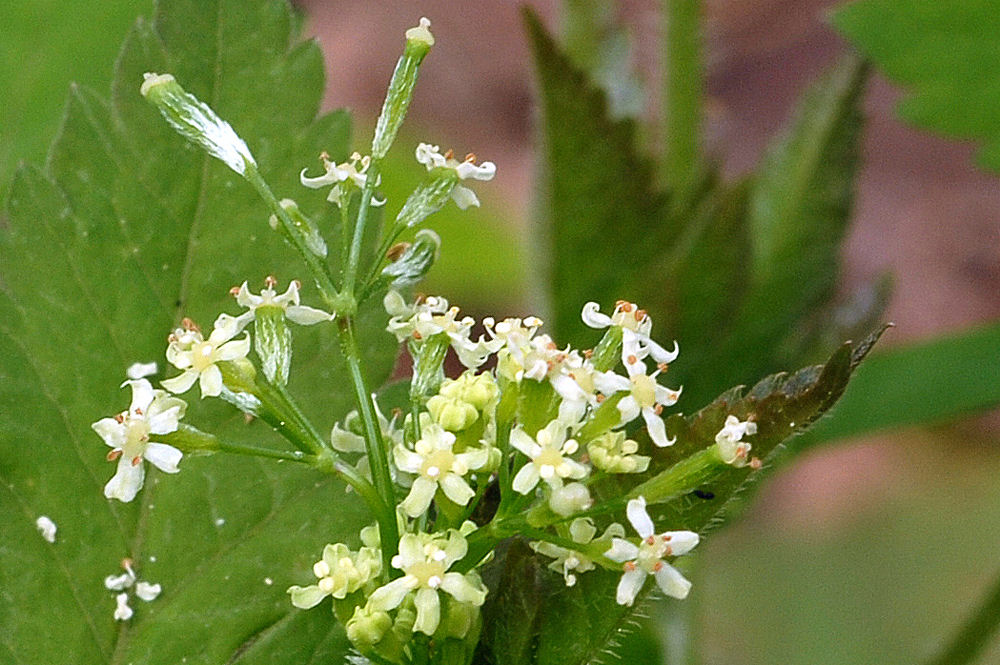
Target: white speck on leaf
(47,528)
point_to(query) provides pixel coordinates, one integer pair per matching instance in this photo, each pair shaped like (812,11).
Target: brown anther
(397,412)
(297,283)
(171,338)
(662,367)
(270,281)
(126,564)
(620,304)
(588,354)
(188,324)
(658,409)
(755,463)
(247,418)
(551,346)
(325,156)
(640,314)
(666,537)
(600,398)
(650,540)
(629,566)
(138,411)
(235,291)
(119,418)
(114,454)
(668,551)
(396,251)
(631,360)
(471,158)
(450,154)
(658,566)
(137,460)
(417,335)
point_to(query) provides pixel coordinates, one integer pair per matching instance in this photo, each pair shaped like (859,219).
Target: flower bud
(569,499)
(451,413)
(196,121)
(367,627)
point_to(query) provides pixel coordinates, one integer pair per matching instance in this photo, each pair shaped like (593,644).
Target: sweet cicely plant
(572,452)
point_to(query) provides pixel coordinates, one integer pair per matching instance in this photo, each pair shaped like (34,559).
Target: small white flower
(430,317)
(517,356)
(339,572)
(645,397)
(549,457)
(424,560)
(344,177)
(648,557)
(567,561)
(197,356)
(151,412)
(732,450)
(431,157)
(287,301)
(635,326)
(437,465)
(47,528)
(122,611)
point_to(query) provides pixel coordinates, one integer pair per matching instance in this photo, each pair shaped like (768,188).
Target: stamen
(650,540)
(270,281)
(417,335)
(629,566)
(471,158)
(137,460)
(658,409)
(450,154)
(235,291)
(120,418)
(631,360)
(658,566)
(190,325)
(114,454)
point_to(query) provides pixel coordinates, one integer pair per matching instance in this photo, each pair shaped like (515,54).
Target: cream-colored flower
(635,326)
(197,356)
(345,177)
(431,157)
(436,465)
(339,572)
(151,412)
(567,561)
(647,558)
(645,397)
(549,457)
(728,442)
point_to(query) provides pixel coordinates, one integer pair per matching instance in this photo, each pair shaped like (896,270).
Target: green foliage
(126,231)
(948,56)
(575,625)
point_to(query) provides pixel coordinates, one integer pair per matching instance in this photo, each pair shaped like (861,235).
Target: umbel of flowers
(515,446)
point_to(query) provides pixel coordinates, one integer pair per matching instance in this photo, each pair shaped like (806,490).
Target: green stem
(682,91)
(976,634)
(319,270)
(354,258)
(256,451)
(377,458)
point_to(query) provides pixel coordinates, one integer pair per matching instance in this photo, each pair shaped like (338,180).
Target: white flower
(635,326)
(431,157)
(728,441)
(548,454)
(287,301)
(352,174)
(47,528)
(437,465)
(122,611)
(197,356)
(424,560)
(645,396)
(151,412)
(567,561)
(648,557)
(141,370)
(432,316)
(339,572)
(518,357)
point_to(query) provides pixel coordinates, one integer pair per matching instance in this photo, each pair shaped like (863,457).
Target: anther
(270,281)
(235,291)
(417,335)
(658,566)
(120,418)
(114,454)
(658,409)
(650,540)
(629,566)
(137,460)
(631,360)
(471,158)
(756,464)
(662,367)
(188,324)
(450,154)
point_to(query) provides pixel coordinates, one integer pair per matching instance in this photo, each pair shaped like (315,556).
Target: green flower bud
(196,121)
(452,414)
(367,627)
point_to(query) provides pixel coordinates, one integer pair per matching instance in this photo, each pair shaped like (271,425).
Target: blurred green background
(861,552)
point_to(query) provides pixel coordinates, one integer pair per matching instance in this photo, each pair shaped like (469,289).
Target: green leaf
(127,230)
(945,53)
(577,624)
(597,187)
(919,384)
(799,207)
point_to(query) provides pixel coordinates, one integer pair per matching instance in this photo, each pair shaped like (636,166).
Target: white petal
(428,611)
(163,457)
(306,597)
(582,530)
(640,519)
(610,383)
(524,443)
(146,591)
(456,489)
(629,586)
(464,197)
(389,597)
(126,482)
(210,381)
(622,551)
(406,460)
(657,430)
(141,370)
(593,318)
(307,316)
(474,459)
(181,383)
(671,582)
(682,542)
(122,611)
(142,395)
(166,421)
(238,348)
(47,528)
(419,499)
(526,479)
(484,171)
(118,582)
(112,431)
(661,355)
(459,587)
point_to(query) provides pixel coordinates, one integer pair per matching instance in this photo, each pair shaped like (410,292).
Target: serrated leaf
(945,53)
(597,186)
(126,231)
(577,624)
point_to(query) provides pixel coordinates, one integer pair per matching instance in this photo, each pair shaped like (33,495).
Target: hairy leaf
(126,231)
(945,53)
